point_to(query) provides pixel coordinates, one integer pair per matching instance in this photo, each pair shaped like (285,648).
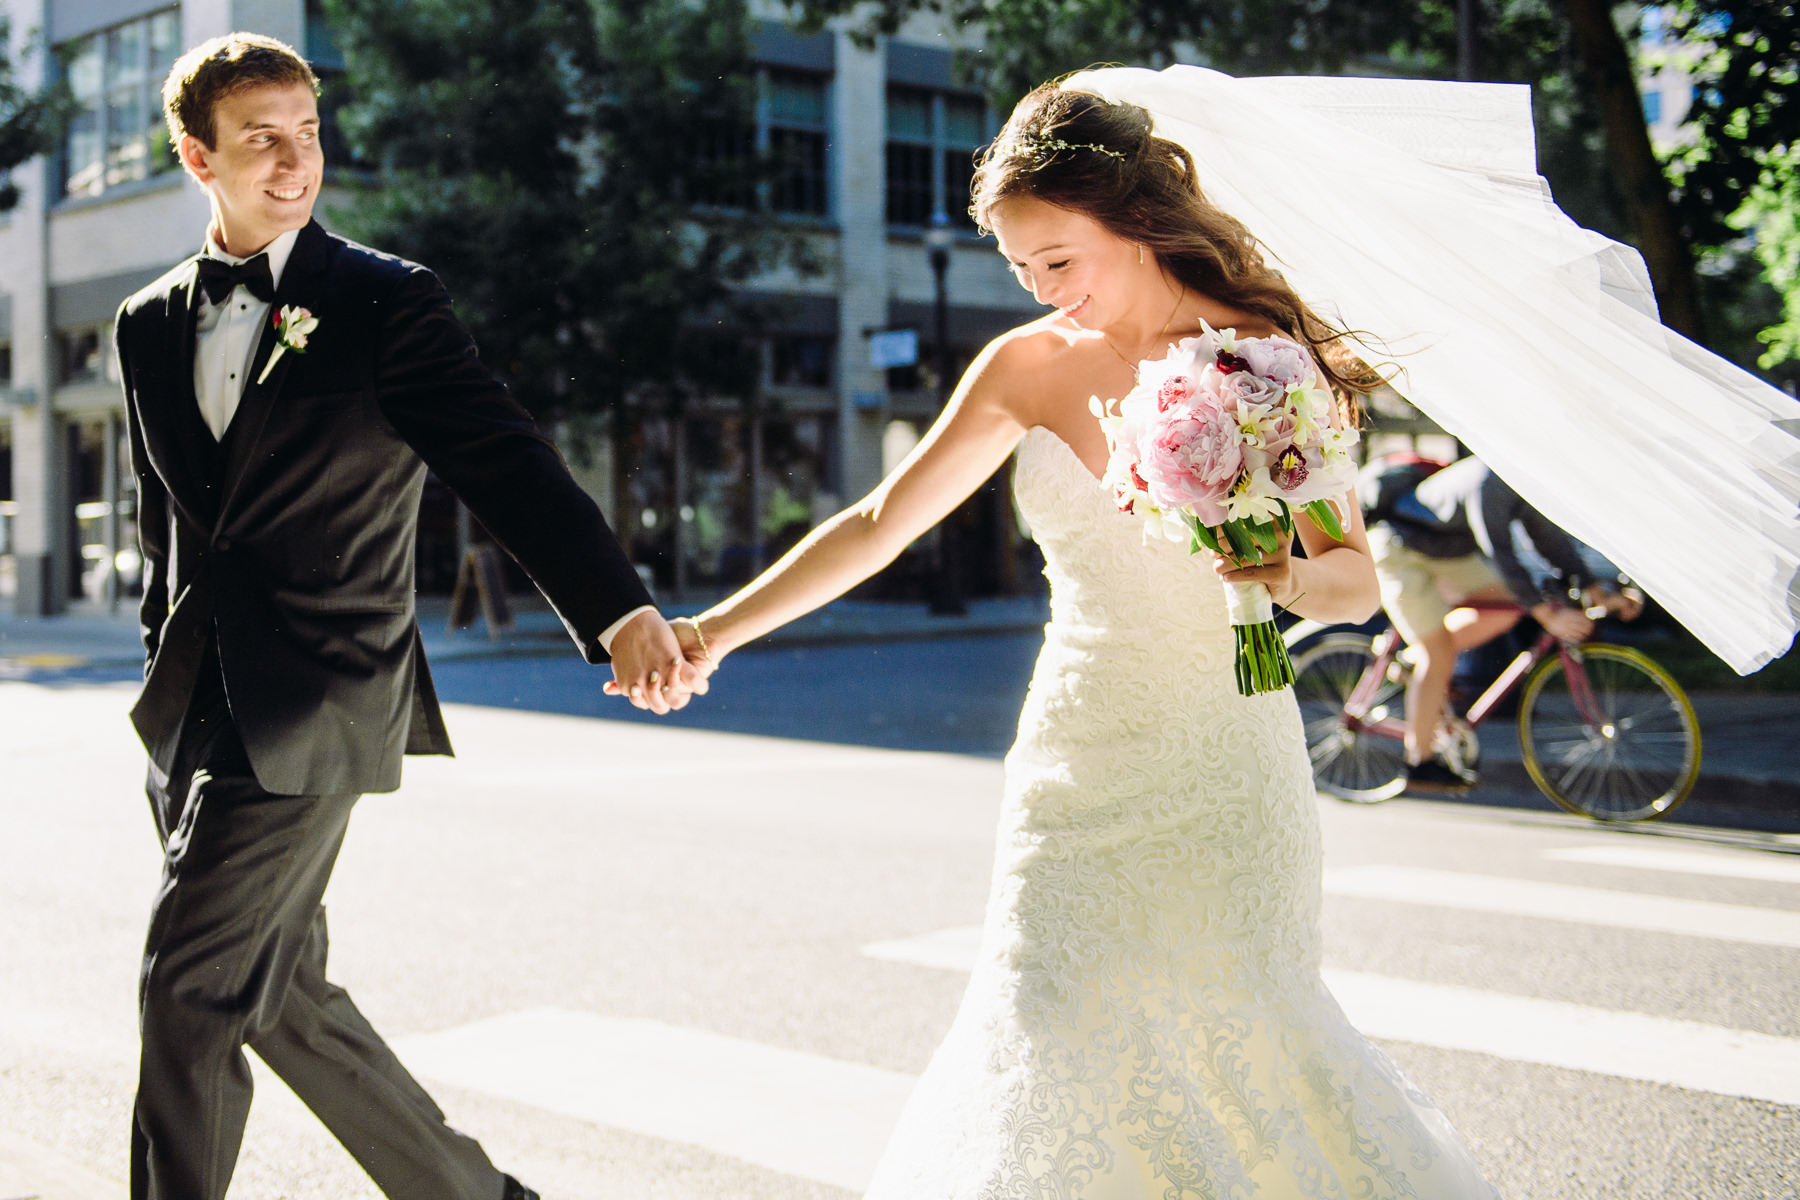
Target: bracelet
(700,635)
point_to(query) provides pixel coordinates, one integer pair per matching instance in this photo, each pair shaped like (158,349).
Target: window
(80,356)
(793,116)
(790,126)
(5,364)
(932,139)
(800,362)
(117,134)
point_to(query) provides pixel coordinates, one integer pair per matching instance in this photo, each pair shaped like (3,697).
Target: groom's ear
(194,155)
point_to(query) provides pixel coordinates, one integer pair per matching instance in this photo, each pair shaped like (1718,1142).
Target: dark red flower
(1229,362)
(1289,471)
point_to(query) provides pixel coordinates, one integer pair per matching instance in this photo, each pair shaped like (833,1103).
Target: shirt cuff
(612,631)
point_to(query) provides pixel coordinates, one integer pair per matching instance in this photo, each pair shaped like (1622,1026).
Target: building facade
(879,142)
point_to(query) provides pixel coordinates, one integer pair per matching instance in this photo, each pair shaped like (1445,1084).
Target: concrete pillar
(40,539)
(859,165)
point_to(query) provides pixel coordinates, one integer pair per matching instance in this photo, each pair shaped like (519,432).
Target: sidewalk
(92,640)
(1750,770)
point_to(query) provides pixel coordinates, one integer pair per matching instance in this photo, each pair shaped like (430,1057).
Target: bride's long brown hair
(1101,159)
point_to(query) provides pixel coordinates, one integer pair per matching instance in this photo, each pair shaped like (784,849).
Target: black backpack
(1384,481)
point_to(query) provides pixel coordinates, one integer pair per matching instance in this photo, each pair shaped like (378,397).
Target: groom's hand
(649,668)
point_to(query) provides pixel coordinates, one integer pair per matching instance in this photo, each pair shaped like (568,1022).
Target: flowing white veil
(1412,209)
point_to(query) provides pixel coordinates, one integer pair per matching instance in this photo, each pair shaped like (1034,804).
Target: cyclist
(1442,539)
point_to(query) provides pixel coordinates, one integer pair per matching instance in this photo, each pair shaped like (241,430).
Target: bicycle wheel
(1349,763)
(1618,743)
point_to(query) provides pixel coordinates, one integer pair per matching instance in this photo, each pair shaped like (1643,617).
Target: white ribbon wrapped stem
(1249,603)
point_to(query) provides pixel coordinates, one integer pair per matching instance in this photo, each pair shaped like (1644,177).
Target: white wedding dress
(1146,1019)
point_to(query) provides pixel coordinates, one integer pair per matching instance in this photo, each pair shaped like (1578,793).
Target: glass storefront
(103,495)
(711,498)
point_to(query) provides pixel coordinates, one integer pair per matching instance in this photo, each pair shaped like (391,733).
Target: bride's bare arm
(966,444)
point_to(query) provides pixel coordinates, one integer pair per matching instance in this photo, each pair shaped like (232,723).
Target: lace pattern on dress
(1146,1017)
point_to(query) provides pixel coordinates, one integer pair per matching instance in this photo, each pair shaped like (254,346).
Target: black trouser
(235,957)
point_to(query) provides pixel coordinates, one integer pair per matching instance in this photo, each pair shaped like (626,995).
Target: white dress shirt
(226,336)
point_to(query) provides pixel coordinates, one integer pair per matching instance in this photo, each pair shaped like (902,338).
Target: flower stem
(1262,659)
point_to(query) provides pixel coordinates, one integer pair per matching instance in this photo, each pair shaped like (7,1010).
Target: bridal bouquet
(1217,445)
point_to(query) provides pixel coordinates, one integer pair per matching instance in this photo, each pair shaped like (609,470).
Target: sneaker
(1435,775)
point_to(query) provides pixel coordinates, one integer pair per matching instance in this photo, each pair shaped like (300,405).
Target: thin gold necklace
(1179,296)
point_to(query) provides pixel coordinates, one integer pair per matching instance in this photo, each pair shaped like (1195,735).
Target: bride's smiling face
(1067,260)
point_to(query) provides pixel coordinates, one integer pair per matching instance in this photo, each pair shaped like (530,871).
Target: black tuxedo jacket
(292,542)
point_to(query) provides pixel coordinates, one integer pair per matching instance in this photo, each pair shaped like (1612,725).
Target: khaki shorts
(1419,591)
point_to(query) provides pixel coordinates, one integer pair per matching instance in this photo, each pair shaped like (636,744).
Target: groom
(286,391)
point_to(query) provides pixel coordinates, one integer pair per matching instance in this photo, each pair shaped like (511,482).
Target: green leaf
(1243,546)
(1325,517)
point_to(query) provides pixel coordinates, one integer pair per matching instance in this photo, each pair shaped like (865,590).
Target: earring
(1140,254)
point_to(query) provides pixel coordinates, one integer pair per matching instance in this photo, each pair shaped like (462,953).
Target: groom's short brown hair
(215,69)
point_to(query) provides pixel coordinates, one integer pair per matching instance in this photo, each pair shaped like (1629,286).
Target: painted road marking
(950,949)
(801,1114)
(1769,867)
(1560,902)
(1685,1054)
(601,773)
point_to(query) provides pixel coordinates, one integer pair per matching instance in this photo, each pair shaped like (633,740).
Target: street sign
(893,348)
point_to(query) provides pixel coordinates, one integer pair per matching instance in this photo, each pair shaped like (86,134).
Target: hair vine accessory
(1048,146)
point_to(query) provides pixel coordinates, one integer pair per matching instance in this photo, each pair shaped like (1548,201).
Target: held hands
(694,648)
(650,668)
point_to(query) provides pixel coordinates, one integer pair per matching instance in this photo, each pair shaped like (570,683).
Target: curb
(1717,801)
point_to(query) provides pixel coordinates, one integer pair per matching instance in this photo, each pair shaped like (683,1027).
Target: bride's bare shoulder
(1030,350)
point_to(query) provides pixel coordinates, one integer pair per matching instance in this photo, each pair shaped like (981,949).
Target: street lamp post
(946,585)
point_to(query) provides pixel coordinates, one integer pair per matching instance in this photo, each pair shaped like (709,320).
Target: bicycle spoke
(1616,743)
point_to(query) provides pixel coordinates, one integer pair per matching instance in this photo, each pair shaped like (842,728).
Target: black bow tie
(218,277)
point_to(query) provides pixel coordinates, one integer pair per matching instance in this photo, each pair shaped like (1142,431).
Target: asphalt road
(636,960)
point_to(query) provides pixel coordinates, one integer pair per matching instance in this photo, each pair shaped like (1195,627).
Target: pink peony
(1176,389)
(1277,358)
(1190,458)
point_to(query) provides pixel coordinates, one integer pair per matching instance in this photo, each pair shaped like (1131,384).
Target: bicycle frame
(1387,645)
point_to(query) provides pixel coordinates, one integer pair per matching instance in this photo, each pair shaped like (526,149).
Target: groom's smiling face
(263,176)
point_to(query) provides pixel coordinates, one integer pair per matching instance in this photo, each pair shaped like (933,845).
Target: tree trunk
(1606,64)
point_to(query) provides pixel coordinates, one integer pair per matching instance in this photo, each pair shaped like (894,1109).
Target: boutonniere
(292,324)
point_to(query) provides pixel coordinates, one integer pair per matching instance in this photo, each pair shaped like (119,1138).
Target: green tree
(1741,173)
(547,158)
(1773,213)
(30,122)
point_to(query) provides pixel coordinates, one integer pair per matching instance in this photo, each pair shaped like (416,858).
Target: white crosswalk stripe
(1770,868)
(1561,902)
(1686,1054)
(801,1114)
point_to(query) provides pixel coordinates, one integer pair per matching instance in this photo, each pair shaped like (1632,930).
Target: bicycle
(1605,732)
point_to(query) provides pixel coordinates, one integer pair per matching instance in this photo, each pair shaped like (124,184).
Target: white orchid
(292,325)
(1255,498)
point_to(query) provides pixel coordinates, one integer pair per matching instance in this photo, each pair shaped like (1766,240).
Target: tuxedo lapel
(302,286)
(175,436)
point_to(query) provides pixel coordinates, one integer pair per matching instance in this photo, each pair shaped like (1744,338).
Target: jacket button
(222,544)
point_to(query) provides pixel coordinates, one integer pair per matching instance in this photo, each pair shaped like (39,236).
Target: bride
(1146,1018)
